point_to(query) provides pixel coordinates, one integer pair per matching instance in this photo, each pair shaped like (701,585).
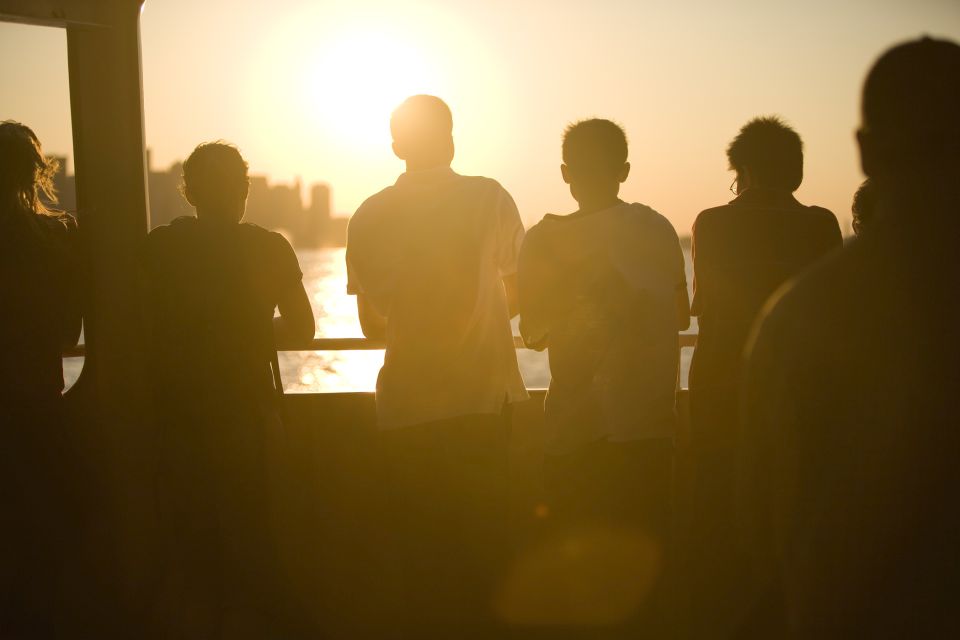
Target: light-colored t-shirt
(430,253)
(600,291)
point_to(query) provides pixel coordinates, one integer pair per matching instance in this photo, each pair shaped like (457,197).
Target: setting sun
(355,81)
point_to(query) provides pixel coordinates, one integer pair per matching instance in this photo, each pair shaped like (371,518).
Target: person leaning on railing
(742,252)
(432,260)
(604,289)
(213,286)
(39,298)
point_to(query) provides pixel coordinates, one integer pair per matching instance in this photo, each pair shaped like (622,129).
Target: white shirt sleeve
(510,233)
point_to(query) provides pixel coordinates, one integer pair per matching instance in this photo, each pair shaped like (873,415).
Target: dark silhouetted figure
(864,207)
(214,285)
(432,261)
(742,252)
(850,435)
(39,298)
(604,289)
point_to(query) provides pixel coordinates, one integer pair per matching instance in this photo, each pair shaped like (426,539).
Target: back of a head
(771,151)
(911,110)
(215,180)
(595,149)
(26,174)
(422,130)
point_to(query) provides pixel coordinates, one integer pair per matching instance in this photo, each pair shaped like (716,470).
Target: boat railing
(362,344)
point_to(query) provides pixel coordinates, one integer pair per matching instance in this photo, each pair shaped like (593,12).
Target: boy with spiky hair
(604,290)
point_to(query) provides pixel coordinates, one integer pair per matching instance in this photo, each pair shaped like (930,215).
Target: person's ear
(744,179)
(450,150)
(868,152)
(565,172)
(246,190)
(189,195)
(624,172)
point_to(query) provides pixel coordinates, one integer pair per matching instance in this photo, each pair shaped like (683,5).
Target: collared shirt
(430,253)
(600,291)
(213,292)
(743,252)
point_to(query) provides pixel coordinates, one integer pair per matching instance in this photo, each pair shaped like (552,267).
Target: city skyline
(306,88)
(272,205)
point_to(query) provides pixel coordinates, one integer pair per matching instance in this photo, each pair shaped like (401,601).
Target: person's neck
(215,220)
(426,165)
(597,203)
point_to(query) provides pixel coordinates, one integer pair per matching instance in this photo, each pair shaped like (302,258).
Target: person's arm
(510,287)
(75,283)
(534,294)
(683,307)
(296,325)
(372,323)
(510,234)
(698,256)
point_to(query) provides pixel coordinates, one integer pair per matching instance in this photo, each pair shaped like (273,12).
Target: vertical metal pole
(107,109)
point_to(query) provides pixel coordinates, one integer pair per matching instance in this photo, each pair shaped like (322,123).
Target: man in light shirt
(604,289)
(432,260)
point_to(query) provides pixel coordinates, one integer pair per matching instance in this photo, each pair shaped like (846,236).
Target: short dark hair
(26,175)
(421,119)
(213,171)
(911,103)
(595,144)
(772,151)
(864,206)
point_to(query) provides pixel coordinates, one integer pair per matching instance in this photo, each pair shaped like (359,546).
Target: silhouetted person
(214,286)
(432,261)
(864,207)
(604,289)
(850,438)
(39,298)
(742,252)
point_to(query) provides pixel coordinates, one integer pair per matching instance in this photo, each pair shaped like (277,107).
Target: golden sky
(305,87)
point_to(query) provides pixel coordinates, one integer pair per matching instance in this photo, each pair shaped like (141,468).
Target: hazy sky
(305,87)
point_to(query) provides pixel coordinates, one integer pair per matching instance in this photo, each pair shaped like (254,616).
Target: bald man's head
(422,130)
(911,109)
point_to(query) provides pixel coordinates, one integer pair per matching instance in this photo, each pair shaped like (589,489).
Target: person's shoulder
(57,223)
(712,216)
(803,304)
(62,221)
(821,215)
(649,216)
(482,182)
(543,228)
(482,185)
(373,207)
(271,240)
(177,227)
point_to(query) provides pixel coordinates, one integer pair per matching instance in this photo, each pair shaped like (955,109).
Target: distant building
(278,207)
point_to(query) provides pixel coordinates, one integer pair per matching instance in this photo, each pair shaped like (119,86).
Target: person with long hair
(39,296)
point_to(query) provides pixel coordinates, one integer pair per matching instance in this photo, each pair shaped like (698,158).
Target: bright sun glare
(355,81)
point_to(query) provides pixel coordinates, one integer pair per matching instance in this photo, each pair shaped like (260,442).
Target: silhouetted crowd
(805,489)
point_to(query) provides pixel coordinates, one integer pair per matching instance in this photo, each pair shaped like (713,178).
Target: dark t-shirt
(213,292)
(39,296)
(742,252)
(850,439)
